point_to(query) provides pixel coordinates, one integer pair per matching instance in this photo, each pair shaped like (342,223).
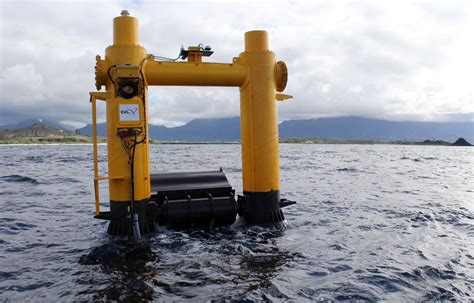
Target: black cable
(145,122)
(132,178)
(108,74)
(126,147)
(130,150)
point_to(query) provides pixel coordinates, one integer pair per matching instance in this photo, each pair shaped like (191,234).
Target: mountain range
(40,132)
(342,128)
(30,122)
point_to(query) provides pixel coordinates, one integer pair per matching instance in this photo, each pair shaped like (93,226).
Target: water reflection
(196,264)
(128,267)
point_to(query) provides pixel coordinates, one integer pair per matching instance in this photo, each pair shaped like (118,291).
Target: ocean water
(378,222)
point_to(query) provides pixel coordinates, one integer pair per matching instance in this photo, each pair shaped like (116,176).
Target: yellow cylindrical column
(256,41)
(126,114)
(125,30)
(259,133)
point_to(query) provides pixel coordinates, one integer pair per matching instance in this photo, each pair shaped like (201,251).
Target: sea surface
(372,222)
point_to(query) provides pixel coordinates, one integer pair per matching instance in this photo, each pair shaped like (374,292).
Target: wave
(19,179)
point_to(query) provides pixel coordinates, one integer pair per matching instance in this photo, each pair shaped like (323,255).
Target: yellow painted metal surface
(195,74)
(126,30)
(283,97)
(195,54)
(96,160)
(258,117)
(125,50)
(254,71)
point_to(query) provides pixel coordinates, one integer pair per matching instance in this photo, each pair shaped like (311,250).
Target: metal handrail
(93,98)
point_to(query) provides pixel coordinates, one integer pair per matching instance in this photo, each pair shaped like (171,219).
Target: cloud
(387,59)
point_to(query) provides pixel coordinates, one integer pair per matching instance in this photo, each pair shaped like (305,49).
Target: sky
(396,60)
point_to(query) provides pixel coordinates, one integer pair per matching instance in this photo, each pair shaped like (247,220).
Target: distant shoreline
(102,141)
(41,133)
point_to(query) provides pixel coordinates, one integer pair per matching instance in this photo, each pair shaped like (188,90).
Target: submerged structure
(139,199)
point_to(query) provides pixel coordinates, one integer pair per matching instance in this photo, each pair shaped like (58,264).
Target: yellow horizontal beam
(195,73)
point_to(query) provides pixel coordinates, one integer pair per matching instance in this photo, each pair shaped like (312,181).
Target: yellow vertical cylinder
(256,41)
(260,203)
(259,121)
(126,50)
(125,30)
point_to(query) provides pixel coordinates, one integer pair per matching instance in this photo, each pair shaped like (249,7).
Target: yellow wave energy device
(138,199)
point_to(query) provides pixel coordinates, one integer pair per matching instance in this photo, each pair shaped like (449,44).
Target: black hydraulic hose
(135,222)
(108,74)
(132,178)
(145,122)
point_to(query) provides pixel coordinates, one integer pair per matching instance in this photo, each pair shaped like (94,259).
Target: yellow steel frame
(254,71)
